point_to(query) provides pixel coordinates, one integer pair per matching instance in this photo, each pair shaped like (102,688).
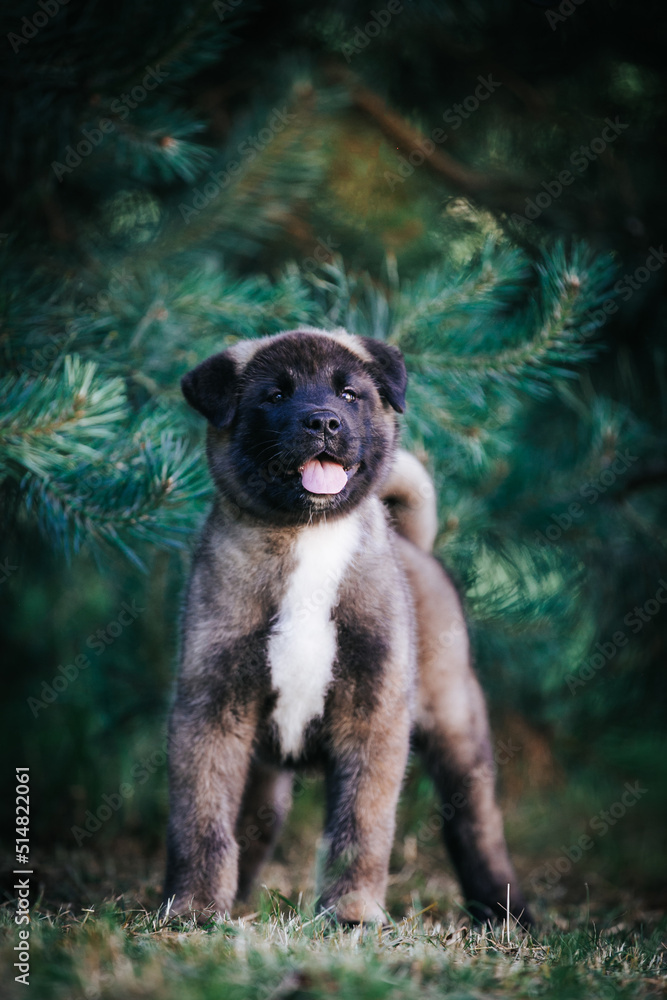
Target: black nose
(322,422)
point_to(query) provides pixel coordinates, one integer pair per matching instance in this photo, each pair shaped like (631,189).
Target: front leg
(363,782)
(209,756)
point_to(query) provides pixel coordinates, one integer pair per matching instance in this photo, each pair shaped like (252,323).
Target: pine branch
(54,422)
(148,496)
(195,42)
(89,473)
(409,138)
(490,284)
(253,183)
(569,288)
(154,146)
(519,589)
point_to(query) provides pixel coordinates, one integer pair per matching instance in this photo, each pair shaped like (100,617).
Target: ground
(96,933)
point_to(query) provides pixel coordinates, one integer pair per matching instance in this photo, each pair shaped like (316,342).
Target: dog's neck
(370,512)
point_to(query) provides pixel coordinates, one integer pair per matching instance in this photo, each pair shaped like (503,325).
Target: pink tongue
(323,477)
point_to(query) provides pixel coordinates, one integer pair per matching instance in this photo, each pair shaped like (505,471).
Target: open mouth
(325,475)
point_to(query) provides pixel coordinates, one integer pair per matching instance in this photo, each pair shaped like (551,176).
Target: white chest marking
(302,644)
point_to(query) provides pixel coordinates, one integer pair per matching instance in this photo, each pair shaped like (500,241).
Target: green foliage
(88,474)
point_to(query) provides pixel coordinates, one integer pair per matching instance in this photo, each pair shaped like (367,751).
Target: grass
(281,951)
(96,932)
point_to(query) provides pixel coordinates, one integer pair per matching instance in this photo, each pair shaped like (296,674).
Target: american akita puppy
(319,630)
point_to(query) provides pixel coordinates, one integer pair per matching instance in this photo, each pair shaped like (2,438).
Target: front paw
(357,907)
(195,909)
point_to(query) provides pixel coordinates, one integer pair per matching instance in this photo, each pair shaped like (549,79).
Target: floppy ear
(211,388)
(388,370)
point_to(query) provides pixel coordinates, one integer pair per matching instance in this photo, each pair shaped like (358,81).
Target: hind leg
(266,802)
(472,822)
(452,735)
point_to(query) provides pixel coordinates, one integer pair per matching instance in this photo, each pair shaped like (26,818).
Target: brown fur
(401,669)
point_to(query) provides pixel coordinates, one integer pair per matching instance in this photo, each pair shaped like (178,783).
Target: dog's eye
(349,395)
(276,397)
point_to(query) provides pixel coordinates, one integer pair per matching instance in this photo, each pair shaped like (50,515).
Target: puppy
(319,631)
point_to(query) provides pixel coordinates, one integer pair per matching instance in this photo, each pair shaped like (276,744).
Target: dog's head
(301,424)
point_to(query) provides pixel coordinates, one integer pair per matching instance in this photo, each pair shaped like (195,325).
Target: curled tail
(409,494)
